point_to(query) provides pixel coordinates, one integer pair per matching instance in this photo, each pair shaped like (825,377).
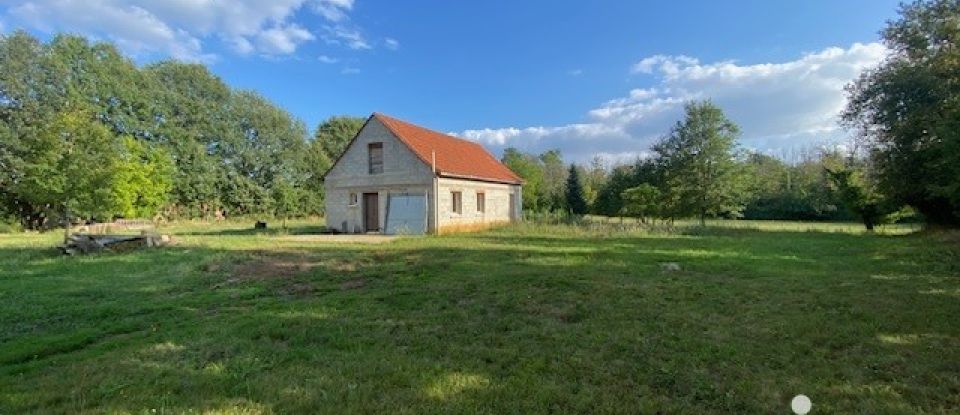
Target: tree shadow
(272,231)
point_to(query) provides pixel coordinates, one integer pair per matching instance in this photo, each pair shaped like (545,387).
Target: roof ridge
(423,141)
(380,114)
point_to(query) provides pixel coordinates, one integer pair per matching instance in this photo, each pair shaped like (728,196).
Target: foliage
(67,168)
(553,190)
(334,134)
(169,137)
(143,179)
(528,167)
(285,201)
(798,191)
(594,178)
(859,195)
(908,110)
(547,183)
(643,201)
(609,199)
(701,174)
(575,201)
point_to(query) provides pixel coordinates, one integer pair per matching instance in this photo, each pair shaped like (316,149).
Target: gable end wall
(403,172)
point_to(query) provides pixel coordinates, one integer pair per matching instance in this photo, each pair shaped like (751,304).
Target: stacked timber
(84,243)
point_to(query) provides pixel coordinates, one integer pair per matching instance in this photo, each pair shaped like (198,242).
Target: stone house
(398,178)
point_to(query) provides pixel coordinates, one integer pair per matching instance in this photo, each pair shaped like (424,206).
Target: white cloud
(179,28)
(779,106)
(391,43)
(333,10)
(282,40)
(132,28)
(575,72)
(349,71)
(665,63)
(346,36)
(327,59)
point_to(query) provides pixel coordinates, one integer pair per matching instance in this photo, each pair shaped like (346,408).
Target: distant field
(523,319)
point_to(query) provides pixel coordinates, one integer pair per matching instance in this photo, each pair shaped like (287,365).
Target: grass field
(525,319)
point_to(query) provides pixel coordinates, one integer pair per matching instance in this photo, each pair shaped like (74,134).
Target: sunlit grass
(531,318)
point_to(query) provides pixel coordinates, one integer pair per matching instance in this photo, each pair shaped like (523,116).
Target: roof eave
(477,178)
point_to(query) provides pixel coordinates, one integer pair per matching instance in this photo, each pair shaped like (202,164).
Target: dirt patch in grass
(301,288)
(342,266)
(286,267)
(353,284)
(264,267)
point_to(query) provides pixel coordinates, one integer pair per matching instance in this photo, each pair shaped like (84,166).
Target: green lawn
(527,319)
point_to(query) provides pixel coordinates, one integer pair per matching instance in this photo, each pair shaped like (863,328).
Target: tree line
(907,162)
(696,170)
(87,134)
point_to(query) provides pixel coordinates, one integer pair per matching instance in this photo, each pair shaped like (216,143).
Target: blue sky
(586,77)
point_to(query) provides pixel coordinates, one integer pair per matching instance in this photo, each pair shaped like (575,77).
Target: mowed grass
(524,319)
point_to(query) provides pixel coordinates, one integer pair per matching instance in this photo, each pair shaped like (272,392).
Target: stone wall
(497,204)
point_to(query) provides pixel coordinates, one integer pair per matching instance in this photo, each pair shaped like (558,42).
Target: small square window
(353,199)
(457,198)
(481,202)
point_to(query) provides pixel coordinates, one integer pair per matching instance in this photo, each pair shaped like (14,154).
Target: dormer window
(375,152)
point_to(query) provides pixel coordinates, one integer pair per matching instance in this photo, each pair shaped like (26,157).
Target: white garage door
(407,214)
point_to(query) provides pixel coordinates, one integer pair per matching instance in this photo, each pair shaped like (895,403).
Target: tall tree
(594,178)
(908,113)
(702,175)
(193,122)
(554,179)
(575,201)
(335,133)
(70,170)
(30,97)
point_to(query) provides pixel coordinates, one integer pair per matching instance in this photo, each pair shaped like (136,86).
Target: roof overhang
(476,178)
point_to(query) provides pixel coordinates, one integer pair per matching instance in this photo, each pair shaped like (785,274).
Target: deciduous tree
(907,110)
(701,172)
(335,133)
(643,201)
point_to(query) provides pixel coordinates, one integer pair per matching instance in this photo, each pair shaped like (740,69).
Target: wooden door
(371,212)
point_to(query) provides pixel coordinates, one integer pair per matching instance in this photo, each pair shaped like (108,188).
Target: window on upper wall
(481,202)
(375,151)
(457,199)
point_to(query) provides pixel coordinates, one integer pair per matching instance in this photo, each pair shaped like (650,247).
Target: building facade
(398,178)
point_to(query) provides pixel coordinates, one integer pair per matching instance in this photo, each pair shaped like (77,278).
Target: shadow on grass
(273,230)
(493,322)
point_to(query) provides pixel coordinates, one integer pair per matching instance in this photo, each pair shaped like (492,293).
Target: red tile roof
(455,157)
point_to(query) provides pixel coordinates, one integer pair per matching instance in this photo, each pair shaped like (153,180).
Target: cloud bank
(779,106)
(180,28)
